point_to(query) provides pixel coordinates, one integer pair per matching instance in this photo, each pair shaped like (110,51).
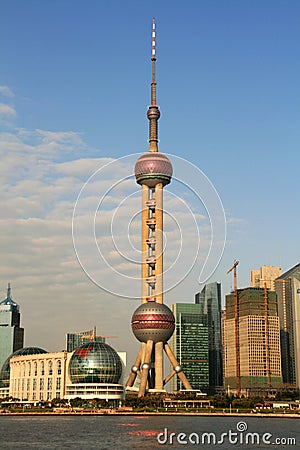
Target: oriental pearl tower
(153,322)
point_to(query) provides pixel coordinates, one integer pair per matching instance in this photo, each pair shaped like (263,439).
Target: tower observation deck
(153,322)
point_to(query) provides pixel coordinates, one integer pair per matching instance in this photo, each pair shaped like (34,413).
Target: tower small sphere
(153,112)
(152,168)
(153,321)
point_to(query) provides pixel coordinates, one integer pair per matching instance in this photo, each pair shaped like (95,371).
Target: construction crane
(104,336)
(236,326)
(233,268)
(93,335)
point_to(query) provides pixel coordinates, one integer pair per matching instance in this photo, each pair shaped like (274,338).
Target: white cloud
(235,220)
(82,167)
(6,91)
(42,173)
(7,111)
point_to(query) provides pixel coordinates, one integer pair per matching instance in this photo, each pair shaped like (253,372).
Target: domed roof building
(95,362)
(5,370)
(95,370)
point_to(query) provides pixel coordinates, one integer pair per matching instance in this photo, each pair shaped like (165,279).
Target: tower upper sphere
(152,168)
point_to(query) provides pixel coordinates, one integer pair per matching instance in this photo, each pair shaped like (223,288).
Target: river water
(147,432)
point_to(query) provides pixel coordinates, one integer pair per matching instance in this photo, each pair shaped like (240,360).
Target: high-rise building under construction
(259,343)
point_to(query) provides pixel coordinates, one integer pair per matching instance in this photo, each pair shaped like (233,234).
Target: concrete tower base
(144,365)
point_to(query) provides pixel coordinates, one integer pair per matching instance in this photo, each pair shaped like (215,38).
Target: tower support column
(145,216)
(135,370)
(159,367)
(145,368)
(159,242)
(177,367)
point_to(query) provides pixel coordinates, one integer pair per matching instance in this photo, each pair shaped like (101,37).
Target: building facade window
(58,384)
(50,368)
(59,367)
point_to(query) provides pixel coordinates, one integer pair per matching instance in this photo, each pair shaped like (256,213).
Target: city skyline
(70,103)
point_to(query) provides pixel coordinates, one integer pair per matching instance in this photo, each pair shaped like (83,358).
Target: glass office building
(209,300)
(288,295)
(190,345)
(11,334)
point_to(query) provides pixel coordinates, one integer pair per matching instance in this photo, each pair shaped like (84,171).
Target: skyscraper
(153,322)
(209,300)
(190,344)
(76,339)
(265,274)
(259,343)
(11,334)
(288,294)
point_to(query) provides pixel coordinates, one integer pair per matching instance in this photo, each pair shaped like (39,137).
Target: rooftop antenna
(9,291)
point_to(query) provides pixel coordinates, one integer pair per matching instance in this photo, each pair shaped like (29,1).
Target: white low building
(39,377)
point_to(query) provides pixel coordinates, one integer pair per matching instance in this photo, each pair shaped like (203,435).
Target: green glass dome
(95,362)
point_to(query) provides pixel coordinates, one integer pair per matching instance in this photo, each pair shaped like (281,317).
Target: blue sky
(75,86)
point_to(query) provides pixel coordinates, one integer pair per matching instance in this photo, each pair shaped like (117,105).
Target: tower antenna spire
(153,59)
(153,113)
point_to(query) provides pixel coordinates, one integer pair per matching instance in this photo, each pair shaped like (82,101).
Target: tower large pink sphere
(152,168)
